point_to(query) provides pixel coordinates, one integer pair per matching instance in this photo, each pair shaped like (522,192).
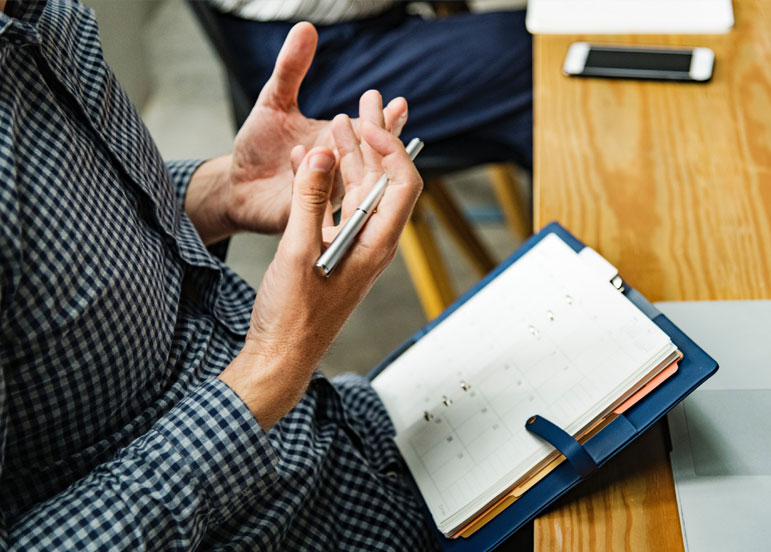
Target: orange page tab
(648,387)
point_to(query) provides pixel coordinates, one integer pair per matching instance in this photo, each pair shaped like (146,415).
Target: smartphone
(624,62)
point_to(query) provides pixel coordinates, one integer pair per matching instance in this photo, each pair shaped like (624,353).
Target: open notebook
(550,335)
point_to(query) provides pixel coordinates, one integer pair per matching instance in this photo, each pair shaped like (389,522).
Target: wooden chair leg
(458,227)
(512,199)
(425,264)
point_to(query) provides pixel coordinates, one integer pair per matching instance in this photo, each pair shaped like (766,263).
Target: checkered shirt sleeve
(181,172)
(193,469)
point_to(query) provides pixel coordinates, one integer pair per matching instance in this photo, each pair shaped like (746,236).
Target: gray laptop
(721,434)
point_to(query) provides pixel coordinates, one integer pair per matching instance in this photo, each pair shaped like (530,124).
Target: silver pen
(342,242)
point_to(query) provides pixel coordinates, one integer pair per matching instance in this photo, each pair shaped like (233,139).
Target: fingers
(338,193)
(377,242)
(403,189)
(371,110)
(296,157)
(310,196)
(292,64)
(395,115)
(349,149)
(395,160)
(351,162)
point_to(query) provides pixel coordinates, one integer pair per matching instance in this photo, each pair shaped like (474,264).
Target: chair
(419,248)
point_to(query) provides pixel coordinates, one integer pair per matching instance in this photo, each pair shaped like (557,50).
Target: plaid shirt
(115,321)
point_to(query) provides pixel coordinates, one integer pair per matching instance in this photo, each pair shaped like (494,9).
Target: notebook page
(546,336)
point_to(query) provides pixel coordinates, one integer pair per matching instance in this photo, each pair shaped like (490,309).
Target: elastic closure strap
(576,454)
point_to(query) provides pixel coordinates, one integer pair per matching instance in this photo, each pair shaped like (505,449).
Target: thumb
(310,197)
(292,64)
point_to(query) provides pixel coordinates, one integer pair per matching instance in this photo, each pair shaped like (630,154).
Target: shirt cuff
(213,432)
(181,172)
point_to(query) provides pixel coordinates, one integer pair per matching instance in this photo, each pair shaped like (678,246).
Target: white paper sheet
(546,337)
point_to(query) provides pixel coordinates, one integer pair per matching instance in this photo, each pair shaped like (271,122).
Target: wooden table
(672,184)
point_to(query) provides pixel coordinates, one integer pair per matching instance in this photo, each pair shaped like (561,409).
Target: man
(148,398)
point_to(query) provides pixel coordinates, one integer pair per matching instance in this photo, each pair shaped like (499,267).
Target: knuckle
(315,192)
(294,252)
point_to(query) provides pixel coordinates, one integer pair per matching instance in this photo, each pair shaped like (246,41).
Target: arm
(201,188)
(195,465)
(194,468)
(298,312)
(199,462)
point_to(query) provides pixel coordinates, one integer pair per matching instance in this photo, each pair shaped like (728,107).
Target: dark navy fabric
(115,433)
(467,77)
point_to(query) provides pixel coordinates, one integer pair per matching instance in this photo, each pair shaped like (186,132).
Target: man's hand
(252,189)
(298,312)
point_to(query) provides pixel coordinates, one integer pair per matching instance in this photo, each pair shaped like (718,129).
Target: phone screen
(640,60)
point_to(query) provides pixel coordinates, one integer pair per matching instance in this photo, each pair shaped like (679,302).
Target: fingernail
(321,162)
(403,115)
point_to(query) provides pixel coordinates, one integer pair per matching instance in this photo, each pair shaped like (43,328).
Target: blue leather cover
(695,367)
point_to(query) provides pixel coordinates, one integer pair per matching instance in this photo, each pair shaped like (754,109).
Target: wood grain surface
(671,182)
(627,505)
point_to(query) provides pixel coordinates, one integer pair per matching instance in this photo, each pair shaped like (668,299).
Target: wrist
(268,385)
(206,200)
